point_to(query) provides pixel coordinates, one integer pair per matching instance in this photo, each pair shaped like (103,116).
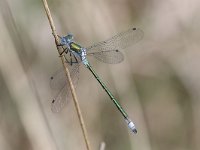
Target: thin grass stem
(76,103)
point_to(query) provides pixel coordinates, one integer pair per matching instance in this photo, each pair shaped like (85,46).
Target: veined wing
(108,56)
(117,42)
(60,84)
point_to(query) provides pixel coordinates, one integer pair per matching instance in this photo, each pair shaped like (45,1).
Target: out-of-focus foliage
(157,84)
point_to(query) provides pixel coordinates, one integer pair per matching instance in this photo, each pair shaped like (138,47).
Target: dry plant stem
(68,75)
(102,146)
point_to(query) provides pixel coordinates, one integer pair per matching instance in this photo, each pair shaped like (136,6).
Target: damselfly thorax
(76,53)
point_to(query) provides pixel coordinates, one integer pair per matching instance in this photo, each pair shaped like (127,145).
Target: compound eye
(70,36)
(63,41)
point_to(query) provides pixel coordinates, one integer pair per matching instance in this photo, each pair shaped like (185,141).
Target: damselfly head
(67,39)
(63,41)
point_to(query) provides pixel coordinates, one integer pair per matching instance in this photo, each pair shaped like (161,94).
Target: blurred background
(158,82)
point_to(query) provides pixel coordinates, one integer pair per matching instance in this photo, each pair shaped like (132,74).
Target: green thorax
(75,47)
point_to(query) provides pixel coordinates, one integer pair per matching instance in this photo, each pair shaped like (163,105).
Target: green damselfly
(107,51)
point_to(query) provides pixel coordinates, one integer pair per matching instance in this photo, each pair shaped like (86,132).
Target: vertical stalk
(76,103)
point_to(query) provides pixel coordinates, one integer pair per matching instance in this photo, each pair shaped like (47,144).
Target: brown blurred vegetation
(157,84)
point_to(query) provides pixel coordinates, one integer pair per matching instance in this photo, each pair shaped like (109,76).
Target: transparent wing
(59,84)
(60,99)
(108,51)
(111,57)
(58,79)
(117,42)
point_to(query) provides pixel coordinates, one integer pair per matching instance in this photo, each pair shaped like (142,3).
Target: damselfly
(106,51)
